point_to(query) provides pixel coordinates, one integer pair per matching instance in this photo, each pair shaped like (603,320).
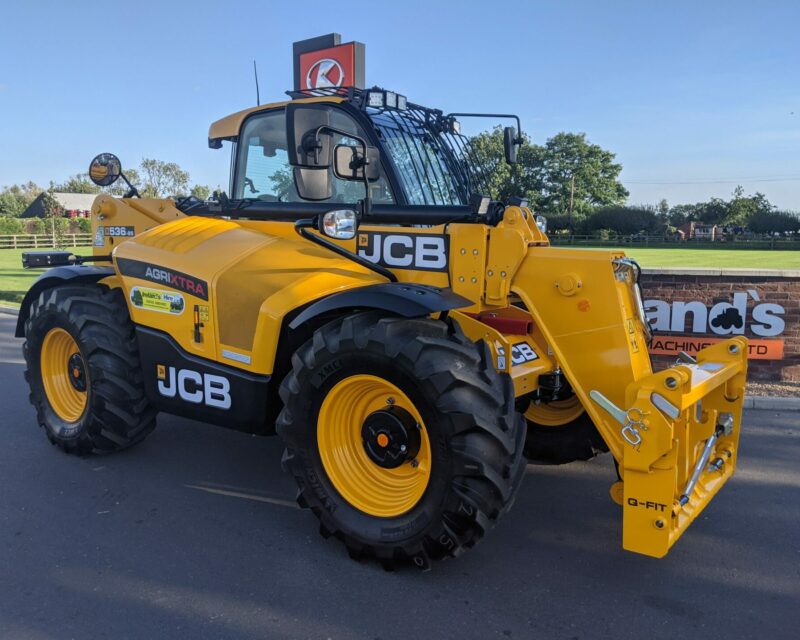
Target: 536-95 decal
(104,232)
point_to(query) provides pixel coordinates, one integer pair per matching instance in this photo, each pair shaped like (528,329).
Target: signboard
(673,345)
(690,325)
(325,63)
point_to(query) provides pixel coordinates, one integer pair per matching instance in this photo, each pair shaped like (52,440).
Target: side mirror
(349,163)
(312,183)
(340,224)
(105,169)
(510,144)
(308,146)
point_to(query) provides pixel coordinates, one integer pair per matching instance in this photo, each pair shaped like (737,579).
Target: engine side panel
(222,290)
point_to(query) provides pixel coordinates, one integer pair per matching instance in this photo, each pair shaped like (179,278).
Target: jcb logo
(521,353)
(191,386)
(404,250)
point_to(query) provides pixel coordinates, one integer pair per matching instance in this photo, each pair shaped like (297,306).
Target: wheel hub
(390,436)
(77,372)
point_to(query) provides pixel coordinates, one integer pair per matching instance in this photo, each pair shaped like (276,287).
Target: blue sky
(693,96)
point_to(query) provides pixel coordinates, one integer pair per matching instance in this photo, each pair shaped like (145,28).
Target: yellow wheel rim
(367,486)
(555,414)
(63,372)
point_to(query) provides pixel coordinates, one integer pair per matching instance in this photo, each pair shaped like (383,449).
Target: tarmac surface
(195,534)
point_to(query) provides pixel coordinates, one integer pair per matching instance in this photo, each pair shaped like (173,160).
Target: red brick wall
(783,289)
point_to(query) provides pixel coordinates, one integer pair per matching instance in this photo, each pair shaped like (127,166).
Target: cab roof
(228,128)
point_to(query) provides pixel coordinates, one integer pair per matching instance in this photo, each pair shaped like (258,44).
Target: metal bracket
(632,420)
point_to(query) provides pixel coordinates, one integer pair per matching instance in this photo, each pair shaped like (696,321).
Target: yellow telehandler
(412,341)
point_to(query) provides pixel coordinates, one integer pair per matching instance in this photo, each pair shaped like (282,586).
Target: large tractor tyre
(561,432)
(83,370)
(402,437)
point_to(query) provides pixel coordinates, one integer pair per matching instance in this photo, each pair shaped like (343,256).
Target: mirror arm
(366,203)
(132,191)
(302,228)
(493,115)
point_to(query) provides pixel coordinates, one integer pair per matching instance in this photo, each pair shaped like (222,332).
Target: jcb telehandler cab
(413,342)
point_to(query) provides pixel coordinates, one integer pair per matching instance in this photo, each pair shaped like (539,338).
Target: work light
(375,99)
(479,204)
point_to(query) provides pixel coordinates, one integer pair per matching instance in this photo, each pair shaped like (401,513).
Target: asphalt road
(195,534)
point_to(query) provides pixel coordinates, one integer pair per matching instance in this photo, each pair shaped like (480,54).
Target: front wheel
(83,370)
(403,439)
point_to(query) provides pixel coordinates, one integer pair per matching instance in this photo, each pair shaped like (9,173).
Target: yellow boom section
(674,433)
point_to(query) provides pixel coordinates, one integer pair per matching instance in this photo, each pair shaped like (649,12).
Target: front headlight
(340,224)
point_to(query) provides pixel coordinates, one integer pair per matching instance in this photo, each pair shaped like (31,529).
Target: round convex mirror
(105,169)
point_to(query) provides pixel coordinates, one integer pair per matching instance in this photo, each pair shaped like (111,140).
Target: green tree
(715,211)
(680,214)
(162,179)
(282,184)
(9,225)
(503,181)
(624,220)
(137,298)
(573,176)
(201,191)
(84,225)
(663,210)
(79,183)
(120,187)
(54,213)
(774,222)
(16,198)
(35,226)
(567,176)
(742,208)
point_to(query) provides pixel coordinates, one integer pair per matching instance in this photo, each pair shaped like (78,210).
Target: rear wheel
(83,370)
(560,432)
(402,437)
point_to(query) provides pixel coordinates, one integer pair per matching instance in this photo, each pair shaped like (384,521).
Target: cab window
(263,169)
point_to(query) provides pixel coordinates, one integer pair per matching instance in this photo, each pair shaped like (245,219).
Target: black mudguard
(72,274)
(400,298)
(186,385)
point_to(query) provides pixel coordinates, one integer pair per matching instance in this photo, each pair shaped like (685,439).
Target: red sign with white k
(328,68)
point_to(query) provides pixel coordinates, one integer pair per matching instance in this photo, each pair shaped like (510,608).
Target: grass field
(715,258)
(14,280)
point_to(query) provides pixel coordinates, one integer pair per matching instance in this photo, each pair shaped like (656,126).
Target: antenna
(258,95)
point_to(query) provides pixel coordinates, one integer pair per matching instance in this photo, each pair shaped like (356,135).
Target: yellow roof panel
(227,128)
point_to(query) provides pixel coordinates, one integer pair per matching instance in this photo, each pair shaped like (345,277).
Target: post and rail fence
(44,241)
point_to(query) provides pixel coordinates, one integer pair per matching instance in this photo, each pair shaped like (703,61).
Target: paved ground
(194,534)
